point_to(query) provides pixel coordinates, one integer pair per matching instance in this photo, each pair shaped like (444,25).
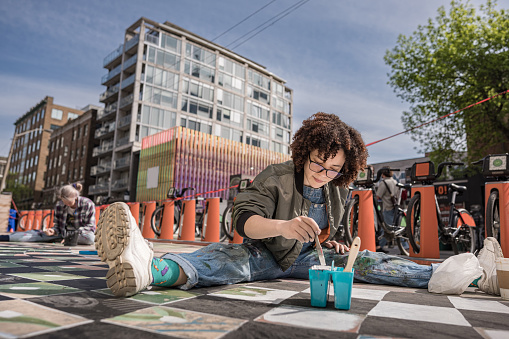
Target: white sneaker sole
(111,239)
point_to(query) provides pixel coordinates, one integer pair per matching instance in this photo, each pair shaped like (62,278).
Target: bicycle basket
(496,165)
(423,171)
(364,177)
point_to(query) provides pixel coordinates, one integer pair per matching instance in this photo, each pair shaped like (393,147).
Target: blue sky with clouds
(330,52)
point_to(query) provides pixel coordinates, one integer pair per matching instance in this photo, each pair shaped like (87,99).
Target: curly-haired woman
(279,216)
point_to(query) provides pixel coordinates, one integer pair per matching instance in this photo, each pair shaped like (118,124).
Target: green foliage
(19,191)
(456,60)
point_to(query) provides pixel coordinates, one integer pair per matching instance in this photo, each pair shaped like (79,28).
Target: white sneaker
(491,251)
(119,243)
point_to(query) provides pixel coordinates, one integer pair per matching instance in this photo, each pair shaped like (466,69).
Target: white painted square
(478,305)
(320,319)
(493,334)
(434,314)
(259,294)
(362,293)
(10,314)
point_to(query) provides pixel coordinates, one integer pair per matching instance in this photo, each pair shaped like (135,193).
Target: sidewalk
(51,291)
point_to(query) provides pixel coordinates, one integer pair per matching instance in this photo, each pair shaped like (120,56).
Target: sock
(474,283)
(165,272)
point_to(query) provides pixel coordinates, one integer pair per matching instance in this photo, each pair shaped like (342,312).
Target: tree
(19,191)
(459,59)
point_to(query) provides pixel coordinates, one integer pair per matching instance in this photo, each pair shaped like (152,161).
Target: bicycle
(394,232)
(226,222)
(459,232)
(495,170)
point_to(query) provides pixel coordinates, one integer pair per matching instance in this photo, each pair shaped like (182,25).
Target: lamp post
(6,171)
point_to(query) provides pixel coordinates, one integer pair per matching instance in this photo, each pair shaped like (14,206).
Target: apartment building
(30,146)
(164,76)
(70,155)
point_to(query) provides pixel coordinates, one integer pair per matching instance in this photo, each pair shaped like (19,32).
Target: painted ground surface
(50,291)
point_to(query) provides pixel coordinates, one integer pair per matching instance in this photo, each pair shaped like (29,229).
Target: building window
(81,172)
(63,169)
(85,130)
(66,149)
(57,114)
(83,151)
(74,134)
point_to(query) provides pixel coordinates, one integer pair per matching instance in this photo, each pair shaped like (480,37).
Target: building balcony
(99,169)
(105,80)
(120,184)
(109,92)
(106,147)
(123,162)
(99,188)
(112,108)
(132,61)
(124,121)
(127,100)
(152,39)
(131,43)
(122,141)
(113,55)
(128,81)
(105,130)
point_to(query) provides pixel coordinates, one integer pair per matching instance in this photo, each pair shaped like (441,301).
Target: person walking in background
(74,221)
(387,192)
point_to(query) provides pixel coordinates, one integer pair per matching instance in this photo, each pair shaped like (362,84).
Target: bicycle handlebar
(448,164)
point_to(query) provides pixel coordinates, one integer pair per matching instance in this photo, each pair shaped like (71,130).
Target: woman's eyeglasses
(317,168)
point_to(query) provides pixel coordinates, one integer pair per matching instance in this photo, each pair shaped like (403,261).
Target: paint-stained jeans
(221,264)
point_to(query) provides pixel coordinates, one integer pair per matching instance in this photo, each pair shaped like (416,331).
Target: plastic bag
(455,274)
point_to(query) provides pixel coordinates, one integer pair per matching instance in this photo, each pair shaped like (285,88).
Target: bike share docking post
(210,222)
(167,220)
(148,209)
(503,202)
(187,220)
(429,223)
(134,207)
(366,229)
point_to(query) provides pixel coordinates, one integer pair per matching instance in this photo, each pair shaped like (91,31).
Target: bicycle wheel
(413,222)
(464,241)
(351,220)
(155,220)
(493,216)
(22,223)
(226,223)
(401,239)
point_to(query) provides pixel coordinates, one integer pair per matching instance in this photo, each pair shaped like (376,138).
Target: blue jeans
(221,264)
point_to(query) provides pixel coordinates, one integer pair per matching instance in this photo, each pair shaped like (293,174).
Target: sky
(330,52)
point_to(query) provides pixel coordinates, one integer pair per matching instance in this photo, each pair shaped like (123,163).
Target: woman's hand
(340,248)
(303,229)
(50,232)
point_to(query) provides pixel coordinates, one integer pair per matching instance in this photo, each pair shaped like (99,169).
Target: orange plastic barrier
(210,226)
(167,220)
(366,224)
(49,220)
(187,220)
(37,220)
(25,221)
(134,207)
(237,238)
(97,214)
(503,210)
(148,209)
(429,223)
(30,220)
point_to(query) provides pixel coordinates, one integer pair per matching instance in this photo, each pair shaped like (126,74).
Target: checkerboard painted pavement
(50,291)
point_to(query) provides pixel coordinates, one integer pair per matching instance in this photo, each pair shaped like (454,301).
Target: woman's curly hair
(328,134)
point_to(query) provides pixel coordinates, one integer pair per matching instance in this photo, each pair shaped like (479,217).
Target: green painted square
(35,289)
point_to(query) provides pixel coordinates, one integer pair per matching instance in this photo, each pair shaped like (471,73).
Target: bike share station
(496,189)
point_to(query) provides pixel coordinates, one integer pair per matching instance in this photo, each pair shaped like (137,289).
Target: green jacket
(276,193)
